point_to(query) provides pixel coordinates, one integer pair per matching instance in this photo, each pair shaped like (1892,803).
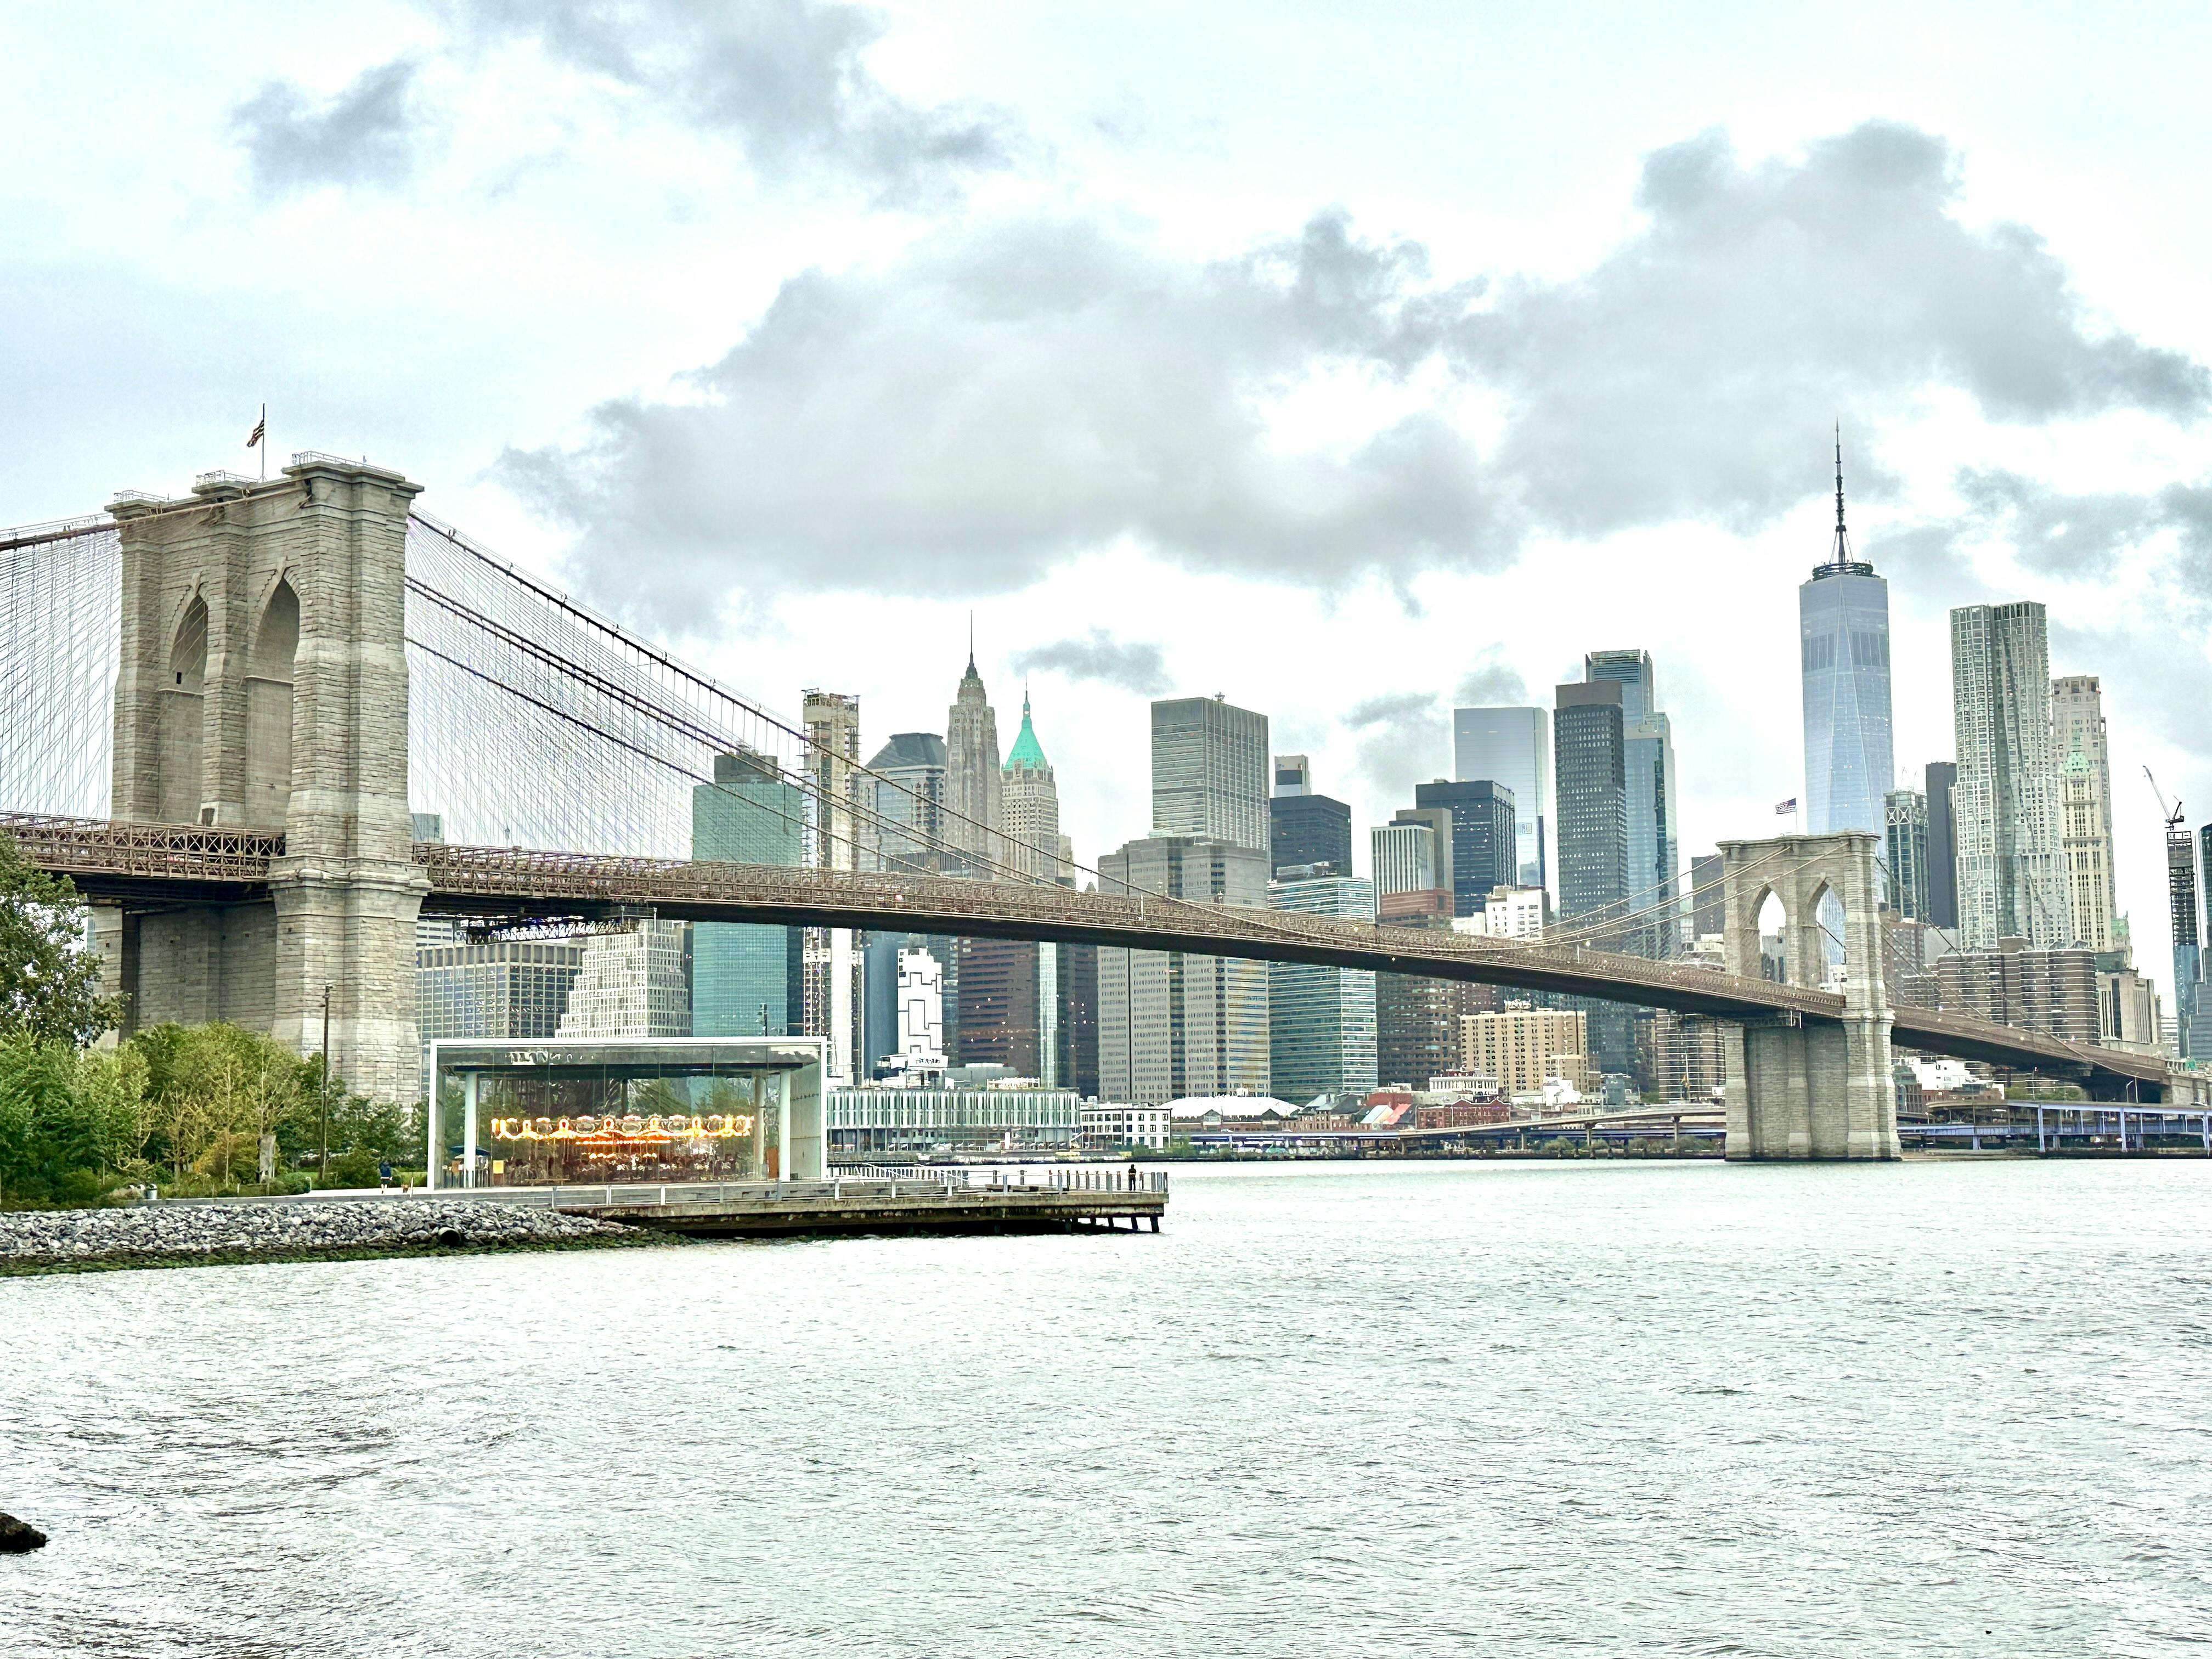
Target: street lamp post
(323,1169)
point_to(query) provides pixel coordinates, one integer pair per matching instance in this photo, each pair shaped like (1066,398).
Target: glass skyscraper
(1587,735)
(748,978)
(1512,748)
(1320,1021)
(2188,967)
(1588,751)
(1842,629)
(1209,771)
(1647,767)
(908,787)
(1484,837)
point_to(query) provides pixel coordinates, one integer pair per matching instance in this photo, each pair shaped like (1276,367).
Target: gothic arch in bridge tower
(183,716)
(269,682)
(262,686)
(1810,1086)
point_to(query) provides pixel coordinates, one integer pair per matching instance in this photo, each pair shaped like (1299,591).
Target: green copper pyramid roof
(1027,751)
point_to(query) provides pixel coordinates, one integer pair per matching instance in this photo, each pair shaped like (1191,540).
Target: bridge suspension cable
(60,618)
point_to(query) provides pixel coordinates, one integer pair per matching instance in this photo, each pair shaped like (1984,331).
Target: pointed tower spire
(1840,560)
(1027,751)
(971,614)
(1843,553)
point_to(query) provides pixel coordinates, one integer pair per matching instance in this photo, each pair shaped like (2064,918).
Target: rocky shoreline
(202,1235)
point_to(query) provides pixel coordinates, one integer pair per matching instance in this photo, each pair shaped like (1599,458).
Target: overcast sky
(1344,360)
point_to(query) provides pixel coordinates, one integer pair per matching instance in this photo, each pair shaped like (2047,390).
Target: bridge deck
(158,864)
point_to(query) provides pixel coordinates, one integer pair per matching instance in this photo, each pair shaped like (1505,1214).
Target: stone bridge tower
(1813,1088)
(264,686)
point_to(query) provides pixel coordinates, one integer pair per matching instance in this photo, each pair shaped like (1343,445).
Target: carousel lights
(610,1130)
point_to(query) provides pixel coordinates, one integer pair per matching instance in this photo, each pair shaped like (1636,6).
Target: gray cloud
(1694,371)
(2083,537)
(1492,685)
(1925,560)
(1404,739)
(1135,667)
(2058,532)
(1390,709)
(362,135)
(1012,393)
(788,77)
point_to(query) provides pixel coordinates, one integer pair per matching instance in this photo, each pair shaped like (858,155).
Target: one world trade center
(1842,625)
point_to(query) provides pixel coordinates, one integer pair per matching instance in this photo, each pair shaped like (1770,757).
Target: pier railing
(928,1183)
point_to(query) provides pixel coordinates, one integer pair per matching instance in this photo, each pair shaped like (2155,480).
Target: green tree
(214,1091)
(49,981)
(69,1121)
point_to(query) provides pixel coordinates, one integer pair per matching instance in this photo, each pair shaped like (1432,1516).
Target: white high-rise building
(1507,912)
(2011,864)
(1029,806)
(2085,789)
(632,984)
(831,965)
(972,777)
(1403,857)
(920,1012)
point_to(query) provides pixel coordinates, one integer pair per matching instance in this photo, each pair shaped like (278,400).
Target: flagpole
(264,445)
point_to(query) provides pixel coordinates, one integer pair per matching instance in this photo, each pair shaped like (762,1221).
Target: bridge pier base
(1816,1090)
(1807,1088)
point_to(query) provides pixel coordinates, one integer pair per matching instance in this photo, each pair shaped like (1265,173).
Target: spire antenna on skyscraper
(1843,542)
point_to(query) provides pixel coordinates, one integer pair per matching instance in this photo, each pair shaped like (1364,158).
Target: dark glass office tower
(1648,764)
(1590,778)
(1485,846)
(1942,847)
(1305,830)
(1590,795)
(1907,851)
(2181,896)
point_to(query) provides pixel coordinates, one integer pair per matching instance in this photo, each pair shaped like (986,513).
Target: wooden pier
(1018,1201)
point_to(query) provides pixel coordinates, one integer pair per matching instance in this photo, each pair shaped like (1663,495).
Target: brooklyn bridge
(223,714)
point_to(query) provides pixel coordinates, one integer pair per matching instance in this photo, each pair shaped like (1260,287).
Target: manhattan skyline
(1441,513)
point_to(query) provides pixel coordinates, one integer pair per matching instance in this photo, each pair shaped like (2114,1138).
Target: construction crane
(2173,813)
(2181,905)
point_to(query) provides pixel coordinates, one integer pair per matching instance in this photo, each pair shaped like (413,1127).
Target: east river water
(1344,1409)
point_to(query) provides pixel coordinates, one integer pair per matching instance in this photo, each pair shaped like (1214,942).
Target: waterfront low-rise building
(1106,1127)
(971,1110)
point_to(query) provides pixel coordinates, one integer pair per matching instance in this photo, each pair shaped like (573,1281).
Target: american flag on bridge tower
(1784,808)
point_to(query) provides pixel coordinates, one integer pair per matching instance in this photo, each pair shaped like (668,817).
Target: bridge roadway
(146,865)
